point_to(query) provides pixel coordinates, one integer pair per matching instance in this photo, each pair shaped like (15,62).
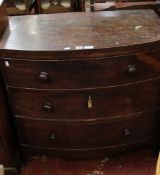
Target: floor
(136,162)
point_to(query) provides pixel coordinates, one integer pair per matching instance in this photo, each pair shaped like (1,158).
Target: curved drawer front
(86,135)
(75,105)
(80,74)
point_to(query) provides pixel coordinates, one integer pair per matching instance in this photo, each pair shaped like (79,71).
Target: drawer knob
(52,136)
(131,69)
(128,100)
(87,66)
(127,131)
(48,107)
(43,76)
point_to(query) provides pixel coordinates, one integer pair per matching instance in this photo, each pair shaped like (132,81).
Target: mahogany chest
(83,84)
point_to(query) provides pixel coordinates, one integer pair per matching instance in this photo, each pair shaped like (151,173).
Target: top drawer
(80,73)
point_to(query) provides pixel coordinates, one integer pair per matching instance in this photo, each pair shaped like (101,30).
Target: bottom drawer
(88,135)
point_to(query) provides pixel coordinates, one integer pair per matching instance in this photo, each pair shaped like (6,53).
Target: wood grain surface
(96,30)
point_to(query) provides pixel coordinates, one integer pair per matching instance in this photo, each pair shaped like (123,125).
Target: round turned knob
(128,100)
(43,76)
(131,69)
(52,136)
(127,131)
(48,107)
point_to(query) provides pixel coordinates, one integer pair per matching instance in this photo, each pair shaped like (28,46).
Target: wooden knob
(131,69)
(43,76)
(128,100)
(127,131)
(48,107)
(87,66)
(52,136)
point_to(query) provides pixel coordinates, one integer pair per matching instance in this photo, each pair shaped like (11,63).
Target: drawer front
(80,74)
(86,135)
(75,105)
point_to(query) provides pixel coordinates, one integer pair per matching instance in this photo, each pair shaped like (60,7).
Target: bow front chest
(83,84)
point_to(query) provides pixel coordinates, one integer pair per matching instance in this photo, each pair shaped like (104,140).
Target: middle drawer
(85,104)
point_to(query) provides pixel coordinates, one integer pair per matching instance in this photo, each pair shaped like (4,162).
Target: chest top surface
(59,32)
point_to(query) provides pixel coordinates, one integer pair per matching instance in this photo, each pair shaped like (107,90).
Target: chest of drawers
(89,88)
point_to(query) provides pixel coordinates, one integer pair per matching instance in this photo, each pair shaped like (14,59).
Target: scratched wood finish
(73,105)
(99,72)
(100,30)
(3,18)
